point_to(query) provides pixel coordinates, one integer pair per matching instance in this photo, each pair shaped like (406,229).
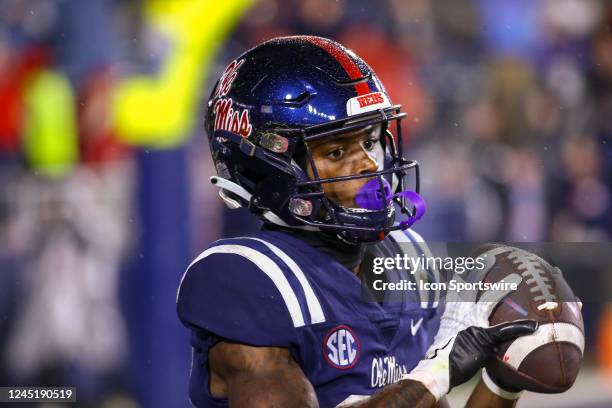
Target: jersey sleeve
(238,294)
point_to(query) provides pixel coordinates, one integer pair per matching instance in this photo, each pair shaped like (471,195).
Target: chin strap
(227,185)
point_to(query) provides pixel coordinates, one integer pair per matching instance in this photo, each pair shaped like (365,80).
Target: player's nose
(367,164)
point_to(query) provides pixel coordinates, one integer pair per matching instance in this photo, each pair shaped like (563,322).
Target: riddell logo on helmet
(235,121)
(370,99)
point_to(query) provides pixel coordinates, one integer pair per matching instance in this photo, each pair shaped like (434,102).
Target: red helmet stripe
(344,59)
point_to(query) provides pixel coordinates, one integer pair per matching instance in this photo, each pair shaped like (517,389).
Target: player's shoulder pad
(247,290)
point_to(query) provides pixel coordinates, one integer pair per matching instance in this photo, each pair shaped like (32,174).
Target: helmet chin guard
(277,98)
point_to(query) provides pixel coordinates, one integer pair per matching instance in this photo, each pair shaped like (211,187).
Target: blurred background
(104,165)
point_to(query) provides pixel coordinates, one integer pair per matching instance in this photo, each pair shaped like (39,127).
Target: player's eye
(335,154)
(369,144)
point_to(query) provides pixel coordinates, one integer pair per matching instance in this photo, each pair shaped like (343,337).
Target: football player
(300,133)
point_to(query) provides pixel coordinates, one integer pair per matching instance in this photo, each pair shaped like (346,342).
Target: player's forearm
(483,397)
(405,393)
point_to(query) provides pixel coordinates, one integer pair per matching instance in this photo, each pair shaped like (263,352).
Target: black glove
(456,360)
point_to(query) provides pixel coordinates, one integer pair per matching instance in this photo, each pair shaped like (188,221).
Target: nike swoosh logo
(414,328)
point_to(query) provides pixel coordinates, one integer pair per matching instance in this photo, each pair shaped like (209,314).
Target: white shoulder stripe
(269,267)
(415,235)
(401,237)
(546,333)
(314,307)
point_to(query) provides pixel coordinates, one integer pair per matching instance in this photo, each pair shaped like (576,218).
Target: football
(549,360)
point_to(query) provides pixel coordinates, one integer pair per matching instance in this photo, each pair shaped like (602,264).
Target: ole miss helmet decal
(341,347)
(227,78)
(227,116)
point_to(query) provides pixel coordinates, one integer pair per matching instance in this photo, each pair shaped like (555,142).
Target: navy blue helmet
(275,99)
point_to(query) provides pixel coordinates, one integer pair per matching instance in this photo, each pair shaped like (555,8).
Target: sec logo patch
(341,347)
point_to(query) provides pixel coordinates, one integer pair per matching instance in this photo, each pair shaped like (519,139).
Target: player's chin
(346,200)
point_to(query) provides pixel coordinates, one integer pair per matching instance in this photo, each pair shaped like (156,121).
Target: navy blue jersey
(272,289)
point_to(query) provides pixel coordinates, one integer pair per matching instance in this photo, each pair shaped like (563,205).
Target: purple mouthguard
(370,197)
